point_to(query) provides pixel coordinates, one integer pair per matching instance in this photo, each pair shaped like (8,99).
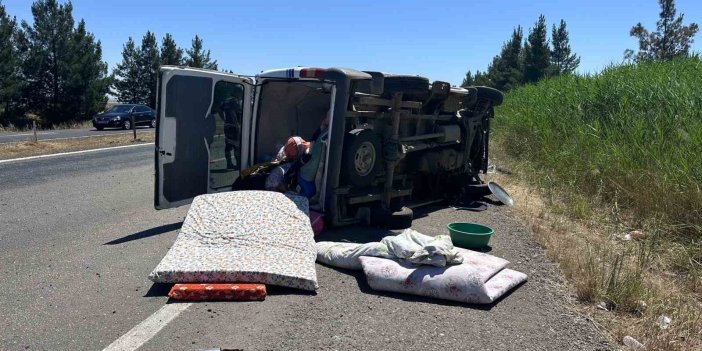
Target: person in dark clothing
(232,126)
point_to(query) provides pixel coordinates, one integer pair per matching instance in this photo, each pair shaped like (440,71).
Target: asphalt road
(6,137)
(78,236)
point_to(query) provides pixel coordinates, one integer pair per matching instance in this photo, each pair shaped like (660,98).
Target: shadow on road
(359,235)
(158,289)
(146,233)
(424,211)
(119,128)
(162,289)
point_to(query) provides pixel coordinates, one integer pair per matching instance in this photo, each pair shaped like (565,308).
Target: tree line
(52,71)
(527,61)
(135,76)
(52,68)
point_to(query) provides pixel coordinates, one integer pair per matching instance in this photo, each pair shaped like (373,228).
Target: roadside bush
(631,136)
(608,153)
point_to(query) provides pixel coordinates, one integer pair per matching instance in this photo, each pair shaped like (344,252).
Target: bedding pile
(410,246)
(417,264)
(243,237)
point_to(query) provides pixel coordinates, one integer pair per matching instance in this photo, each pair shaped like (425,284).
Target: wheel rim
(153,123)
(364,160)
(127,125)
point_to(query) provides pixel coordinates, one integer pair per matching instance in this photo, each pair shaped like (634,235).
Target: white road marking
(72,153)
(147,329)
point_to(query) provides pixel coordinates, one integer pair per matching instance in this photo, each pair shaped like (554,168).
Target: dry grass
(633,277)
(67,125)
(42,147)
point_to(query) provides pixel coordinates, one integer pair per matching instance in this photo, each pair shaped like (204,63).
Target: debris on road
(260,237)
(471,277)
(664,322)
(264,237)
(501,194)
(471,205)
(202,292)
(624,237)
(638,235)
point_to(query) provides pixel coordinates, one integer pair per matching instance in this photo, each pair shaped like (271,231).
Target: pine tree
(493,73)
(87,83)
(505,71)
(171,54)
(198,57)
(148,62)
(671,40)
(562,59)
(127,75)
(62,65)
(47,46)
(537,55)
(10,83)
(481,79)
(468,80)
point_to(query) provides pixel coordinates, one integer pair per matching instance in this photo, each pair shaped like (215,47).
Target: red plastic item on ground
(317,221)
(195,292)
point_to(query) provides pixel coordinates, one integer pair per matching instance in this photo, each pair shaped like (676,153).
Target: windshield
(120,108)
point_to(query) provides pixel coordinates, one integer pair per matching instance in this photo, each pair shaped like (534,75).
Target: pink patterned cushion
(481,278)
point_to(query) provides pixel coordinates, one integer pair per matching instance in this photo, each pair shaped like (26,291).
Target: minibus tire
(413,88)
(491,94)
(358,144)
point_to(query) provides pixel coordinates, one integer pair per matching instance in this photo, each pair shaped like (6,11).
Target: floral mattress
(243,237)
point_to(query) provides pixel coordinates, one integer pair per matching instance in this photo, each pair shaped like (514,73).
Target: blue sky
(439,41)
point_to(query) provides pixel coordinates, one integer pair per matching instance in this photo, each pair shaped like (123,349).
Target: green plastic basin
(469,235)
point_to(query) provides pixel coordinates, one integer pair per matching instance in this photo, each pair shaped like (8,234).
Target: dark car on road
(120,116)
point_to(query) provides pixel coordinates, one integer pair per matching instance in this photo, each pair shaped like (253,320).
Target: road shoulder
(56,146)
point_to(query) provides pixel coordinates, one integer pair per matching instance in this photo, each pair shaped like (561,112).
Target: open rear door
(202,117)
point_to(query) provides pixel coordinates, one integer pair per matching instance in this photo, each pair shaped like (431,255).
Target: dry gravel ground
(79,236)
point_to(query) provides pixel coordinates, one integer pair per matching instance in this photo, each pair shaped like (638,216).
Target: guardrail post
(34,130)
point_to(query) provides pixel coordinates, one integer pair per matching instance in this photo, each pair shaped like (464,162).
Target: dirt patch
(43,147)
